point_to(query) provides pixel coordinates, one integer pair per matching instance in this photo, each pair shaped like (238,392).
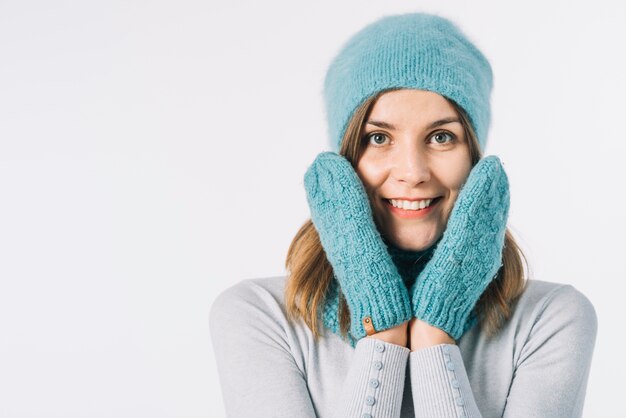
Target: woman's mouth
(412,208)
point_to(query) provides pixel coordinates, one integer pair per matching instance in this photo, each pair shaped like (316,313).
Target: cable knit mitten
(340,210)
(409,263)
(469,255)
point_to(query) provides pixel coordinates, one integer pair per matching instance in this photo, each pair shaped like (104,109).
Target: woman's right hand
(395,335)
(340,210)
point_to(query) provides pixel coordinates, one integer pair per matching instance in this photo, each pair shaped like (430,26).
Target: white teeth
(411,205)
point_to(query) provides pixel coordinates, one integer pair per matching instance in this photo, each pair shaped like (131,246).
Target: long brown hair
(310,272)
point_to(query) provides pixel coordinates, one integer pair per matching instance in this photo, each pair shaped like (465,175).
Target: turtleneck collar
(408,262)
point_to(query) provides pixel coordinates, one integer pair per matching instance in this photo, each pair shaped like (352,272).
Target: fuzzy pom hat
(418,51)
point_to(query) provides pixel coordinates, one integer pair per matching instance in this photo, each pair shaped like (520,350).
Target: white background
(152,154)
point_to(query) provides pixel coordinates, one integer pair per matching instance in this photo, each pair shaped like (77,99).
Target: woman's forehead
(411,105)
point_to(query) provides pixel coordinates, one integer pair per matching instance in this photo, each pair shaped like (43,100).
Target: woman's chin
(411,237)
(413,243)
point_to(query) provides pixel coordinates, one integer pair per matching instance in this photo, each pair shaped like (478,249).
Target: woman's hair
(311,274)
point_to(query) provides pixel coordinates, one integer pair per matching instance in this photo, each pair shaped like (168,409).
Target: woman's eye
(377,139)
(442,138)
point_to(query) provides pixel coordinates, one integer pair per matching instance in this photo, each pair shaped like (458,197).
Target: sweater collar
(408,262)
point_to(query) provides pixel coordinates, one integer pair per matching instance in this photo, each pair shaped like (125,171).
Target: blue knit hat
(418,51)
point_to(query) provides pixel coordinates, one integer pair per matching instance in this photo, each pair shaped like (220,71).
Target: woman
(406,294)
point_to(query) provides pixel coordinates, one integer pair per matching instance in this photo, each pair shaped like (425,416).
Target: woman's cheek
(457,172)
(371,171)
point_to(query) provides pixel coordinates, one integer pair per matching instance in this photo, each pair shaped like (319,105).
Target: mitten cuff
(444,310)
(387,308)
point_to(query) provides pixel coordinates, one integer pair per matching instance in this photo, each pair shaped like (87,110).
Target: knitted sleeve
(551,373)
(258,375)
(375,382)
(439,383)
(261,377)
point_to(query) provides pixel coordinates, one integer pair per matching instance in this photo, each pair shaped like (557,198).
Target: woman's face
(415,159)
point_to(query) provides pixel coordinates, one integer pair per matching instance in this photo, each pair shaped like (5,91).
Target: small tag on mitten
(367,324)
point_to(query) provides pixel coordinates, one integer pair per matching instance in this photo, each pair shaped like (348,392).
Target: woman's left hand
(469,254)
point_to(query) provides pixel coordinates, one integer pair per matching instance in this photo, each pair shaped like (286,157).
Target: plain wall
(152,154)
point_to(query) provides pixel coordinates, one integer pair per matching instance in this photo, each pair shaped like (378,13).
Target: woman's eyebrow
(381,124)
(444,121)
(386,125)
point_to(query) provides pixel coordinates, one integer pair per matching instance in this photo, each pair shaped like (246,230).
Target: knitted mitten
(340,210)
(469,254)
(330,313)
(409,264)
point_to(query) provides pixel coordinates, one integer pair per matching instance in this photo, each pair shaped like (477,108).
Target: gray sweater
(537,366)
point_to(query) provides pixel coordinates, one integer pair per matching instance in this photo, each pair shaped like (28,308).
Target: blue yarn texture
(409,265)
(469,255)
(418,51)
(445,281)
(341,213)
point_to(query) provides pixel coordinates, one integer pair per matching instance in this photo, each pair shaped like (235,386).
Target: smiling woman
(406,260)
(415,150)
(494,306)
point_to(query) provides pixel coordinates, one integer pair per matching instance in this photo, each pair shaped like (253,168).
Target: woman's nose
(411,167)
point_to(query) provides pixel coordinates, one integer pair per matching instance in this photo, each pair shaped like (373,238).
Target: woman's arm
(375,382)
(465,261)
(260,376)
(551,374)
(439,382)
